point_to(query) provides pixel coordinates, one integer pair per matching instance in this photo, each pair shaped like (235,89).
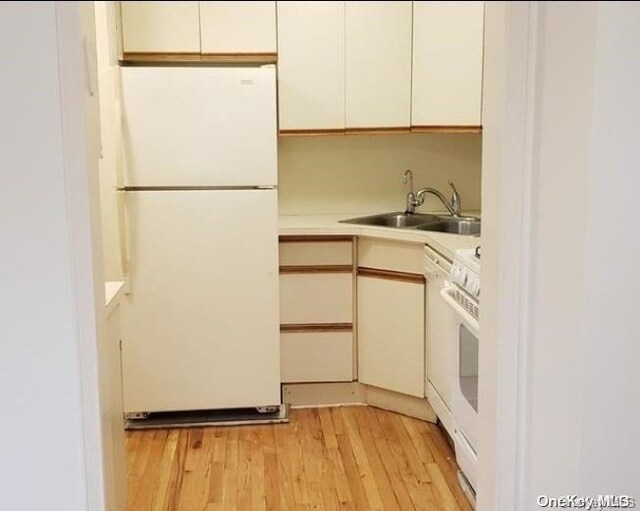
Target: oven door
(465,387)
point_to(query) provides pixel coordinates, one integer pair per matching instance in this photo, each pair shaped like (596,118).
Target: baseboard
(411,406)
(322,394)
(306,395)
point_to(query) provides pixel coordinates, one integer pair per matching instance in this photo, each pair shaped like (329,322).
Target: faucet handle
(456,200)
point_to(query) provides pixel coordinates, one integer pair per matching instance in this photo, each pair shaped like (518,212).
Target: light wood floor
(356,458)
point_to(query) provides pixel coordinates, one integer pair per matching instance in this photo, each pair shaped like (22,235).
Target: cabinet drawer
(316,356)
(316,298)
(316,253)
(391,255)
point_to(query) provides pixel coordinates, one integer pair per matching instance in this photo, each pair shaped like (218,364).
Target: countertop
(445,243)
(113,291)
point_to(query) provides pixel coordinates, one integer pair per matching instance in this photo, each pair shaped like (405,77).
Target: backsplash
(363,173)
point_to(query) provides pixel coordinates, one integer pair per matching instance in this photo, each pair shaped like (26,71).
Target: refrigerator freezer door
(201,326)
(199,126)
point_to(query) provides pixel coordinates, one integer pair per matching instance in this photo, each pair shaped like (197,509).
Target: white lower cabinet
(391,333)
(319,298)
(316,356)
(316,309)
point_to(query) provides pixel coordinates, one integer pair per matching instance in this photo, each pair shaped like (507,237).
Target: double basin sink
(466,225)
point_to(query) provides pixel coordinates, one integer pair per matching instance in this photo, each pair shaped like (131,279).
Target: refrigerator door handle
(125,261)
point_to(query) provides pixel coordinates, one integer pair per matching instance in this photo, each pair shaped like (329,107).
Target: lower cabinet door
(391,333)
(316,356)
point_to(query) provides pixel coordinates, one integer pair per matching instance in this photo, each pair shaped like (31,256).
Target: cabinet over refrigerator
(200,242)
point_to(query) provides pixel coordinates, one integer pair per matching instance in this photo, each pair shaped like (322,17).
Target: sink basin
(466,226)
(397,219)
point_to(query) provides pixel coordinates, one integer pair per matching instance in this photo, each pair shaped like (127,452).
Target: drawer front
(316,253)
(391,255)
(307,298)
(316,356)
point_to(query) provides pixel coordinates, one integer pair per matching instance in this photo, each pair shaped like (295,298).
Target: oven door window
(468,374)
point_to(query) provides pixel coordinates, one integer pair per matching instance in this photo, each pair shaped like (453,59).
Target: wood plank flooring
(356,458)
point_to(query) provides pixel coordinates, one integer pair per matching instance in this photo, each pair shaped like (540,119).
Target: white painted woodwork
(202,319)
(316,356)
(391,255)
(165,27)
(112,411)
(378,64)
(447,63)
(316,298)
(238,27)
(311,65)
(391,335)
(190,125)
(314,253)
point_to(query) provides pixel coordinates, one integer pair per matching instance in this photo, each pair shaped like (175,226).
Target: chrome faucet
(416,199)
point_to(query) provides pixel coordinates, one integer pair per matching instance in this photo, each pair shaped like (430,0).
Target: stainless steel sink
(397,219)
(465,226)
(469,226)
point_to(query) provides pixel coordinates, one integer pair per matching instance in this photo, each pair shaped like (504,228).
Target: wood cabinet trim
(192,57)
(375,130)
(446,129)
(317,327)
(311,132)
(391,275)
(381,130)
(334,268)
(247,57)
(314,239)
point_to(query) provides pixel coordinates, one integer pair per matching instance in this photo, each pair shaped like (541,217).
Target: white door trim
(511,48)
(75,28)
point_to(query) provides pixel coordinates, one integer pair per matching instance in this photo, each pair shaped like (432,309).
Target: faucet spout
(420,195)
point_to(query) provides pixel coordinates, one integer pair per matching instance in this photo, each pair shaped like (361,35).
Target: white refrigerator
(199,197)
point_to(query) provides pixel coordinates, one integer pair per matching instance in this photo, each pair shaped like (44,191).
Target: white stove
(464,280)
(462,293)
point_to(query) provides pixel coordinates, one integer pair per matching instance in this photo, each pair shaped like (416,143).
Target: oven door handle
(469,320)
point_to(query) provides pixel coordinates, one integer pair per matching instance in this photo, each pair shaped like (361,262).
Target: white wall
(51,281)
(560,301)
(363,173)
(610,447)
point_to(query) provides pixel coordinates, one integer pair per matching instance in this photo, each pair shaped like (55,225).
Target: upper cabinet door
(238,27)
(447,63)
(311,65)
(378,64)
(161,27)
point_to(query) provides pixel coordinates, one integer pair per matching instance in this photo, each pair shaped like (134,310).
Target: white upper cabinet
(161,27)
(311,65)
(378,64)
(447,63)
(238,27)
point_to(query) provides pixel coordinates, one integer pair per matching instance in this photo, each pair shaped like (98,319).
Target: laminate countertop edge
(113,291)
(310,225)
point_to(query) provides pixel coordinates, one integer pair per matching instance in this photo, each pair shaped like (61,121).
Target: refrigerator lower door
(201,324)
